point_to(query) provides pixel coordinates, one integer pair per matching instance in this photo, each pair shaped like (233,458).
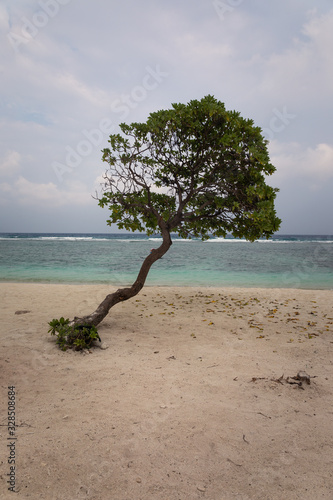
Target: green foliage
(195,169)
(78,337)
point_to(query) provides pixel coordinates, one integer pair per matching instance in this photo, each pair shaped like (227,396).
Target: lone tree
(194,170)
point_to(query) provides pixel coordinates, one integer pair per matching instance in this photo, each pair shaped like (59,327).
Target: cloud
(319,30)
(319,161)
(10,164)
(4,18)
(292,161)
(67,83)
(305,67)
(27,193)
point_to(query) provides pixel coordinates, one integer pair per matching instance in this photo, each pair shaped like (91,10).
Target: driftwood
(299,379)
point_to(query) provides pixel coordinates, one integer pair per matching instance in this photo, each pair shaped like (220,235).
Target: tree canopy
(195,169)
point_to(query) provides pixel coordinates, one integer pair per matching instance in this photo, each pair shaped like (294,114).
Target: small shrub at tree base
(78,337)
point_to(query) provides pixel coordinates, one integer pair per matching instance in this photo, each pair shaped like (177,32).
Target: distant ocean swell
(285,261)
(140,237)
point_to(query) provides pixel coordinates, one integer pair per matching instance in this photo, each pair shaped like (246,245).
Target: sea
(284,261)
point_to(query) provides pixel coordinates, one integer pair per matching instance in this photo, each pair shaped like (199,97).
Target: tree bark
(122,294)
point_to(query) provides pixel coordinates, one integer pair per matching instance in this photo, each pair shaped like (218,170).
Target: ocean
(284,261)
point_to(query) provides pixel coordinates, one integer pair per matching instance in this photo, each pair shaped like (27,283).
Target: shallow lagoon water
(285,261)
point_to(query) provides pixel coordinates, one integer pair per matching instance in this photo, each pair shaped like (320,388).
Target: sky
(72,70)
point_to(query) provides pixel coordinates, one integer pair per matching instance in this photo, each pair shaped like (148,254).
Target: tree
(194,170)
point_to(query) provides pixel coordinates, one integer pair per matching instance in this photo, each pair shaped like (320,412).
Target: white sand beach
(193,398)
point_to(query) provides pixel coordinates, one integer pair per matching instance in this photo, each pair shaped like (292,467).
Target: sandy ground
(191,400)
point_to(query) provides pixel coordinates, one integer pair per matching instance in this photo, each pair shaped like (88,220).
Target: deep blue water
(285,261)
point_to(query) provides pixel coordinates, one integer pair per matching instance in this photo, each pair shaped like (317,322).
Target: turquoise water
(290,261)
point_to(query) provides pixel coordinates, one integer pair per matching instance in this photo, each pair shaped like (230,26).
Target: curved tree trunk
(122,294)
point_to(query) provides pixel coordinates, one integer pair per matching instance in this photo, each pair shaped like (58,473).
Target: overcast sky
(72,70)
